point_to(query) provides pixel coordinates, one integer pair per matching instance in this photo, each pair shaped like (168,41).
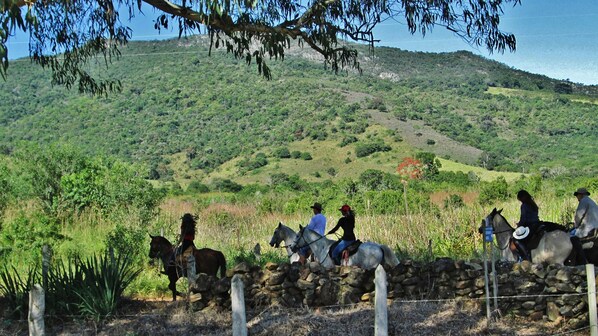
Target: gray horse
(554,247)
(286,234)
(368,256)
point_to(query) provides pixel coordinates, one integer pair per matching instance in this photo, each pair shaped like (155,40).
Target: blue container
(488,233)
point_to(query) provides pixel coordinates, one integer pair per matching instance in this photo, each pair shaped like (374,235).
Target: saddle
(181,258)
(589,241)
(533,240)
(348,251)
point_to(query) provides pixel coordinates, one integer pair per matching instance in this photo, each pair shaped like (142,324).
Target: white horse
(368,256)
(286,234)
(554,247)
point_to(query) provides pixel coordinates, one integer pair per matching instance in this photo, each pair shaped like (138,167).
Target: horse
(369,255)
(554,247)
(286,234)
(206,261)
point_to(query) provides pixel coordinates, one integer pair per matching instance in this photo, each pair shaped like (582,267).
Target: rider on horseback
(187,235)
(529,222)
(585,221)
(347,222)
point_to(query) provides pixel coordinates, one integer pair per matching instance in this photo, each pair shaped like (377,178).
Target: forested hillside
(195,116)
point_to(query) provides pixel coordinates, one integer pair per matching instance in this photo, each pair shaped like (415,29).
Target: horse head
(276,237)
(489,220)
(158,245)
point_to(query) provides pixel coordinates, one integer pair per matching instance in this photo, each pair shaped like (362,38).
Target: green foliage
(15,290)
(365,149)
(349,139)
(226,185)
(306,156)
(454,201)
(29,232)
(497,190)
(196,187)
(249,257)
(126,240)
(430,164)
(105,280)
(64,278)
(282,153)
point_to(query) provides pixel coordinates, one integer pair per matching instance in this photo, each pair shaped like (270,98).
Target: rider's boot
(522,251)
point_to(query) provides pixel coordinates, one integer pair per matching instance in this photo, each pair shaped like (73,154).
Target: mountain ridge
(213,109)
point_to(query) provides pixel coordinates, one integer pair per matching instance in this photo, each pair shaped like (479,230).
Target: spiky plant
(105,280)
(16,290)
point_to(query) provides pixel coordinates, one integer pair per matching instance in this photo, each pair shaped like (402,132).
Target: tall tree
(65,34)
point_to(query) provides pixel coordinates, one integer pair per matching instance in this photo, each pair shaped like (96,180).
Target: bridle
(510,229)
(300,236)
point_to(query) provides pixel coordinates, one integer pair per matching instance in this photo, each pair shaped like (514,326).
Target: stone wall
(532,290)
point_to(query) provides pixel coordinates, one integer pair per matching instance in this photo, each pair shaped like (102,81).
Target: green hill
(191,116)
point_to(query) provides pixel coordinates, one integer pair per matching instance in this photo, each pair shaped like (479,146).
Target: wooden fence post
(46,258)
(238,306)
(191,276)
(381,319)
(37,307)
(591,277)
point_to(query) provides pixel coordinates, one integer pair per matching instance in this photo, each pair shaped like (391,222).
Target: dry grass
(404,318)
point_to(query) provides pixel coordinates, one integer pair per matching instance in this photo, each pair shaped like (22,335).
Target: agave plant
(105,280)
(63,281)
(16,290)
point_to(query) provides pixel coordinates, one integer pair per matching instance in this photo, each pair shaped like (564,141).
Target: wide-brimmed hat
(317,206)
(581,191)
(345,208)
(521,232)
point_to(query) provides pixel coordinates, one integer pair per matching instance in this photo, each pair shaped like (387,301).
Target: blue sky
(557,38)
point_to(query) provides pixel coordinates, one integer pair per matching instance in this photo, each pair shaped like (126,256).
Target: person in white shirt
(586,215)
(317,224)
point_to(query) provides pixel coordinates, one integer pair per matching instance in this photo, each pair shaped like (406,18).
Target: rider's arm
(333,230)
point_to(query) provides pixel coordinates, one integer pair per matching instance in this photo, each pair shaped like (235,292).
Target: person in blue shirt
(317,224)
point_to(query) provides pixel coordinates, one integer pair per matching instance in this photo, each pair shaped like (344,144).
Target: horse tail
(222,263)
(389,256)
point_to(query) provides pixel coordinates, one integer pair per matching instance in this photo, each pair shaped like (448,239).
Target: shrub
(306,156)
(15,290)
(196,187)
(493,191)
(105,280)
(454,201)
(282,153)
(226,185)
(366,149)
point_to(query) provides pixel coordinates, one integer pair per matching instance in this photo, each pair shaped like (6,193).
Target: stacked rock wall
(525,289)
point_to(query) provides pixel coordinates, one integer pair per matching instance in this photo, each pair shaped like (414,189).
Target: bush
(105,280)
(282,153)
(306,156)
(497,190)
(366,149)
(454,201)
(226,185)
(196,187)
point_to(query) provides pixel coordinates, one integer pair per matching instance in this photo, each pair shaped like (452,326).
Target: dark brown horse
(206,261)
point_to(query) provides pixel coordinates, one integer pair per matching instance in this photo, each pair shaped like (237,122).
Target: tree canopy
(65,34)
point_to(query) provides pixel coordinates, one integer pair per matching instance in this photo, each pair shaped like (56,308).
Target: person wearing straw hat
(317,224)
(586,215)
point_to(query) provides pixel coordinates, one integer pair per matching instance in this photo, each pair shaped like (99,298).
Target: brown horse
(206,261)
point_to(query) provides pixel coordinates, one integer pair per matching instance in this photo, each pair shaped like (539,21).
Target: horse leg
(172,286)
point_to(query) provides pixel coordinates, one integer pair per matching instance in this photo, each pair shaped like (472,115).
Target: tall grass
(235,228)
